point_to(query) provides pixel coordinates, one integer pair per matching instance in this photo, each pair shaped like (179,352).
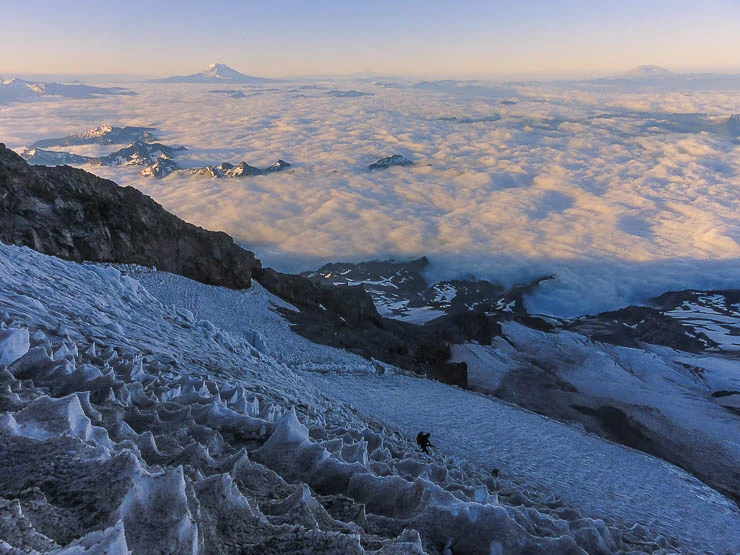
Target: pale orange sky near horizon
(415,37)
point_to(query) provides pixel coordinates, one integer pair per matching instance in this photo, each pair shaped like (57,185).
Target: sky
(323,37)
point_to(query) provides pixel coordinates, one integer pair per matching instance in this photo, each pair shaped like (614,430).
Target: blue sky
(294,37)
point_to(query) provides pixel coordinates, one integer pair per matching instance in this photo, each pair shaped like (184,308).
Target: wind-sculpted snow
(127,424)
(608,479)
(599,186)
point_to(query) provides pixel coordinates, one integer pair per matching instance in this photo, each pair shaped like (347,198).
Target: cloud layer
(622,195)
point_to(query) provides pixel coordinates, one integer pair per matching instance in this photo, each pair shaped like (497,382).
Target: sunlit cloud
(618,193)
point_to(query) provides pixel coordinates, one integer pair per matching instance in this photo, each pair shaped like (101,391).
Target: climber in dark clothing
(422,440)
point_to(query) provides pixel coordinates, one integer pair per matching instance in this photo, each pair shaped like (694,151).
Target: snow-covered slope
(127,423)
(656,399)
(498,434)
(251,314)
(601,479)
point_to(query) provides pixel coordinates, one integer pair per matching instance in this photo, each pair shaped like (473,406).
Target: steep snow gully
(144,412)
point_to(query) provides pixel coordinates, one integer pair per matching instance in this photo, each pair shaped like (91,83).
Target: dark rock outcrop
(384,277)
(399,289)
(229,92)
(670,321)
(278,166)
(395,160)
(242,169)
(464,296)
(345,317)
(75,215)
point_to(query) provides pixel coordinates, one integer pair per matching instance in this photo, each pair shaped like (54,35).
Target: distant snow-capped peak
(221,71)
(97,132)
(648,71)
(214,73)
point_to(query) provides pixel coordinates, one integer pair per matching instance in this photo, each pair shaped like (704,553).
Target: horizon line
(365,74)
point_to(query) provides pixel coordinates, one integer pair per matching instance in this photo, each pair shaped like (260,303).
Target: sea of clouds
(621,194)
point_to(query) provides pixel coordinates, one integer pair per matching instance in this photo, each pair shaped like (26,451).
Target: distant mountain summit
(395,160)
(648,72)
(222,71)
(215,73)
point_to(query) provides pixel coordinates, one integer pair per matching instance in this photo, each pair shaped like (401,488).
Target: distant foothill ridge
(13,90)
(141,149)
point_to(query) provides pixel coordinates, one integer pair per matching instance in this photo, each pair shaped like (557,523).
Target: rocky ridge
(158,158)
(400,290)
(135,154)
(226,169)
(103,135)
(75,215)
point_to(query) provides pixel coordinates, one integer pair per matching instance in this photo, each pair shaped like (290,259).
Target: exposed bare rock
(395,160)
(75,215)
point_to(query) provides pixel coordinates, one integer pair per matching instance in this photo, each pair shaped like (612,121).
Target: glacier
(143,411)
